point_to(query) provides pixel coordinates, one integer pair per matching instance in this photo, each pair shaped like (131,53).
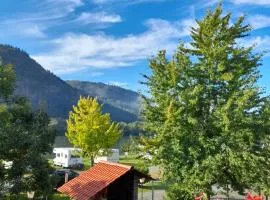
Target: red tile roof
(94,180)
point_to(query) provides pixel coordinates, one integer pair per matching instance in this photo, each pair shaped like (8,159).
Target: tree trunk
(208,196)
(91,161)
(227,191)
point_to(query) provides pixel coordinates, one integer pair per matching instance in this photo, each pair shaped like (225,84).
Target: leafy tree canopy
(208,118)
(89,129)
(25,137)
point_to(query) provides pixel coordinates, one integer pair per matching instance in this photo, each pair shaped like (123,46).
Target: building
(105,181)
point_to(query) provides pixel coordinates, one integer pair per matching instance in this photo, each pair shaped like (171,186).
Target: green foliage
(132,146)
(139,164)
(208,119)
(25,138)
(55,196)
(15,197)
(90,130)
(59,197)
(132,129)
(142,167)
(7,79)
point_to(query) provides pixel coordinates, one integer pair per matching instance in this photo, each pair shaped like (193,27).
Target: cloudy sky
(111,41)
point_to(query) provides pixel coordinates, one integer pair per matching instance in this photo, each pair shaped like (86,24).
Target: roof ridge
(115,164)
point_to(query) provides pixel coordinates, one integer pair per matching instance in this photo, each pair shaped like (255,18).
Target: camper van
(112,157)
(67,157)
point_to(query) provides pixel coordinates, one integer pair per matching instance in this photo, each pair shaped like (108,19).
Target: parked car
(60,174)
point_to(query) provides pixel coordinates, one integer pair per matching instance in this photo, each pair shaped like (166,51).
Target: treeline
(132,129)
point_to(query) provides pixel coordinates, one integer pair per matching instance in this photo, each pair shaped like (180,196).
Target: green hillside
(44,88)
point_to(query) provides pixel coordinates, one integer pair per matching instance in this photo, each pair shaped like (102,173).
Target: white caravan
(112,157)
(66,157)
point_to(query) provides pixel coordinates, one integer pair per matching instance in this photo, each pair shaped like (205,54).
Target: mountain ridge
(120,97)
(41,86)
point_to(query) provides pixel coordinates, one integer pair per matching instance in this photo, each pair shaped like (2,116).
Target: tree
(25,141)
(25,138)
(7,79)
(208,119)
(90,130)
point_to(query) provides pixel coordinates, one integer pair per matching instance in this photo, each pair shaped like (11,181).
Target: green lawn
(60,197)
(140,164)
(156,185)
(131,160)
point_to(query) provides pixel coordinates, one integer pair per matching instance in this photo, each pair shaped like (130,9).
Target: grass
(132,160)
(58,196)
(139,164)
(156,185)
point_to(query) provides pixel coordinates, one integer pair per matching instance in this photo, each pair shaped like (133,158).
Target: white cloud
(75,52)
(62,6)
(262,43)
(259,21)
(23,30)
(34,24)
(33,31)
(251,2)
(102,2)
(119,84)
(98,17)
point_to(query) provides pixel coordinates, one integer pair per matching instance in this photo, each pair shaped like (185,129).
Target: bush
(175,192)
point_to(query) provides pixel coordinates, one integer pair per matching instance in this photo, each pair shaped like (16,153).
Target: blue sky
(111,41)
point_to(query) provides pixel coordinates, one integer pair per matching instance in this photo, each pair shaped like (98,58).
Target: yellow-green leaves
(89,129)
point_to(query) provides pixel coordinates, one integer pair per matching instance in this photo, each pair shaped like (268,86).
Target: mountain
(119,97)
(44,88)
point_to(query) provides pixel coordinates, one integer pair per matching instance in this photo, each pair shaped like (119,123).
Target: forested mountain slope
(44,88)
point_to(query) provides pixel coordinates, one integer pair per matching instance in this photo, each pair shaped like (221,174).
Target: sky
(111,41)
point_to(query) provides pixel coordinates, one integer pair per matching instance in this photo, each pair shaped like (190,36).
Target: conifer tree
(208,119)
(90,130)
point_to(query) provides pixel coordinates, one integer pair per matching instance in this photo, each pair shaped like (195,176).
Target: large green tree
(90,130)
(25,138)
(208,119)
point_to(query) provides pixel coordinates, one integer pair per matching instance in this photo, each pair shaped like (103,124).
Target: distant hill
(119,97)
(44,88)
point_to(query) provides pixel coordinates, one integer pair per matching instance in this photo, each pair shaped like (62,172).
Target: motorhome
(113,156)
(67,157)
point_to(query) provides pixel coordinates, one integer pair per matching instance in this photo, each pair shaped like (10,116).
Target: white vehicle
(66,157)
(113,157)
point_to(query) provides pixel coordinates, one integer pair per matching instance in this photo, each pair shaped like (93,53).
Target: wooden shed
(105,181)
